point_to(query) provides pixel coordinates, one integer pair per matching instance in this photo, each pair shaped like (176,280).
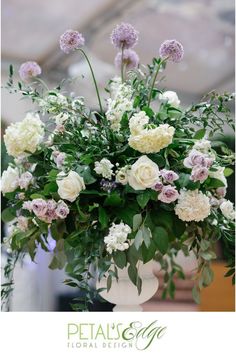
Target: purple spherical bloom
(130,59)
(28,70)
(62,210)
(124,36)
(168,194)
(199,173)
(71,40)
(39,207)
(169,175)
(172,49)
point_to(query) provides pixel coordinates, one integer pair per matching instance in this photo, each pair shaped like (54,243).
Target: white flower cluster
(147,140)
(52,102)
(202,145)
(24,136)
(117,237)
(104,168)
(120,102)
(192,205)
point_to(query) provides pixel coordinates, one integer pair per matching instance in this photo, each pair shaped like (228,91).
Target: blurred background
(31,30)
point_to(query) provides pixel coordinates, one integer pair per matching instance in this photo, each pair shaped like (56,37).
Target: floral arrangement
(139,180)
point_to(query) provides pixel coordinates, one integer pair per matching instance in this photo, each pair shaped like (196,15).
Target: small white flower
(171,97)
(104,168)
(202,145)
(117,237)
(61,118)
(122,175)
(227,209)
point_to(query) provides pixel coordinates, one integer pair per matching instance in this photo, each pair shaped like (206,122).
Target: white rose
(144,174)
(70,186)
(171,97)
(227,209)
(10,180)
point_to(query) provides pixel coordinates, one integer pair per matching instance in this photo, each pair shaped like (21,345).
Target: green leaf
(196,294)
(8,215)
(200,134)
(138,239)
(183,180)
(143,199)
(109,282)
(146,236)
(228,171)
(149,112)
(133,274)
(103,217)
(139,285)
(214,183)
(207,276)
(137,221)
(161,239)
(113,199)
(133,255)
(120,259)
(86,174)
(179,227)
(148,253)
(37,196)
(50,188)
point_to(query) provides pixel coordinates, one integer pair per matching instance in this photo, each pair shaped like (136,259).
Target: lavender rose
(39,207)
(199,173)
(169,175)
(62,210)
(168,194)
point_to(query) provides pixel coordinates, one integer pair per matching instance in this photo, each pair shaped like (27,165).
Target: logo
(113,335)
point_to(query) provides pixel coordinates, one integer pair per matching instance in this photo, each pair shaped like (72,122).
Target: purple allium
(130,59)
(62,210)
(124,36)
(199,173)
(107,186)
(28,70)
(71,40)
(172,49)
(168,194)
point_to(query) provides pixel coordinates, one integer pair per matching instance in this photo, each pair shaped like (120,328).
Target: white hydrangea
(10,180)
(152,140)
(219,174)
(227,209)
(24,136)
(192,205)
(171,97)
(202,145)
(137,122)
(104,168)
(117,237)
(120,103)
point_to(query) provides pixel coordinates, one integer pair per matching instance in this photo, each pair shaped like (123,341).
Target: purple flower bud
(71,40)
(124,36)
(199,173)
(107,186)
(158,186)
(28,70)
(130,59)
(168,194)
(169,175)
(25,180)
(172,49)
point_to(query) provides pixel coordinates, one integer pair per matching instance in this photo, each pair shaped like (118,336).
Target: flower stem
(122,64)
(93,76)
(154,80)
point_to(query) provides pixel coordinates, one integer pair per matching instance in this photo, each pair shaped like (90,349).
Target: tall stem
(122,64)
(154,80)
(94,80)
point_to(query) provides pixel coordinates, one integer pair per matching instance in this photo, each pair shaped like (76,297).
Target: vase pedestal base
(127,308)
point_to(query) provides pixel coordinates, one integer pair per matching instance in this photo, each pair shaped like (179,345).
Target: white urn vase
(124,294)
